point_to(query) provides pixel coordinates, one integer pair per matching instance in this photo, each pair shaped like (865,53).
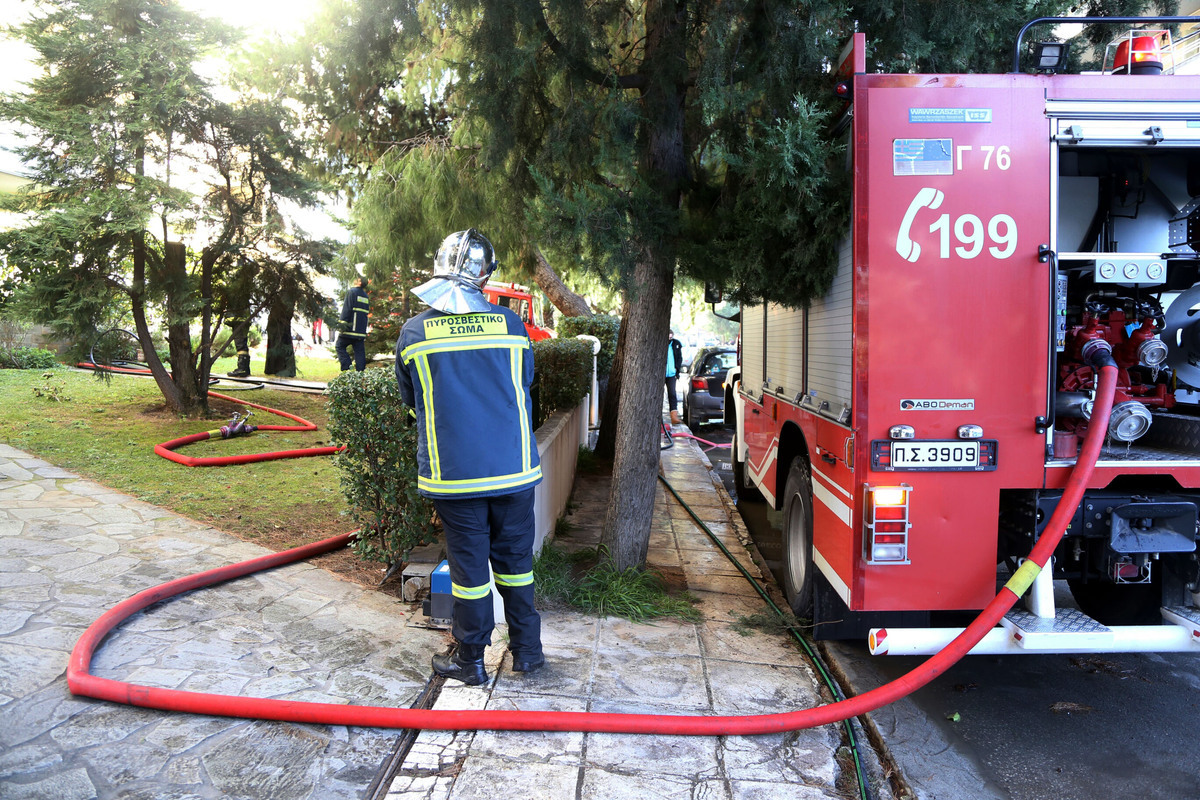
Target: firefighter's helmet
(460,269)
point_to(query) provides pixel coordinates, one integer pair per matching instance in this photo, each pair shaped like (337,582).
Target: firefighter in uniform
(239,322)
(465,367)
(353,327)
(238,319)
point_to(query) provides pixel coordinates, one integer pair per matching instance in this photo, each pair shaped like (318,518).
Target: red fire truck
(521,300)
(917,424)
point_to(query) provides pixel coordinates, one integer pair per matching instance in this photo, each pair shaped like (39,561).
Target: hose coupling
(1097,354)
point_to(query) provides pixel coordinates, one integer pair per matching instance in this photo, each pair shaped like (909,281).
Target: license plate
(953,454)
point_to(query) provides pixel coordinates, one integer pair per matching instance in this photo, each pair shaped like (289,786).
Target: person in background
(465,366)
(353,327)
(674,365)
(238,316)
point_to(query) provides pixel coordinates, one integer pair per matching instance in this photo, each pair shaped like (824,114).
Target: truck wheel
(747,492)
(1116,604)
(797,540)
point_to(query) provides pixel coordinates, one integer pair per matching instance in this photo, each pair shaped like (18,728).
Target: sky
(257,17)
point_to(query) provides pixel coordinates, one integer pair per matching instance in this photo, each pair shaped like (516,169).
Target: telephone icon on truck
(905,246)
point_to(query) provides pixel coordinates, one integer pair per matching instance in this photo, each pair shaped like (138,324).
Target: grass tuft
(768,622)
(588,463)
(589,583)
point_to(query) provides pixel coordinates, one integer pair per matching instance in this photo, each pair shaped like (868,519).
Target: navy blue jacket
(354,313)
(468,376)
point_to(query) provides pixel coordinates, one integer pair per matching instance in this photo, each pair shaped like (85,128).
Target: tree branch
(581,67)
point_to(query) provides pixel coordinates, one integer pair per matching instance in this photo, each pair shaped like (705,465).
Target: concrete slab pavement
(717,666)
(70,549)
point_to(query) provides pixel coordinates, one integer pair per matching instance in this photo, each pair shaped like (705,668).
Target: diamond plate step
(1185,617)
(1036,633)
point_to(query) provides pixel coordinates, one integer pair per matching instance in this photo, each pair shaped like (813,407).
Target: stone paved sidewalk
(70,549)
(668,667)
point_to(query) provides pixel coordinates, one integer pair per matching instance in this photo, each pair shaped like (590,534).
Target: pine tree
(663,137)
(127,145)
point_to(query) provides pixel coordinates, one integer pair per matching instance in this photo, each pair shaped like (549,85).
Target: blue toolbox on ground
(439,605)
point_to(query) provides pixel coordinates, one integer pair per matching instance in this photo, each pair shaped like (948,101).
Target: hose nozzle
(238,426)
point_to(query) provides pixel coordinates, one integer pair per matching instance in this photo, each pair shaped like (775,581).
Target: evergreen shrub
(21,357)
(604,327)
(379,465)
(562,375)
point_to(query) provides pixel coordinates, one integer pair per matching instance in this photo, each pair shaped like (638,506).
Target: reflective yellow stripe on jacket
(418,355)
(477,484)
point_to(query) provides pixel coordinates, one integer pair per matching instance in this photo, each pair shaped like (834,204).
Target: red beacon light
(1138,55)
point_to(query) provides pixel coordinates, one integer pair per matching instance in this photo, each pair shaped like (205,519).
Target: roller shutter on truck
(808,355)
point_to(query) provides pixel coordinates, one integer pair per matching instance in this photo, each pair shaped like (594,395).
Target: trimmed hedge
(379,465)
(27,358)
(562,375)
(603,327)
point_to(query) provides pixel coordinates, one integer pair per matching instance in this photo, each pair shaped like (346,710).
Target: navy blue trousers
(498,530)
(360,351)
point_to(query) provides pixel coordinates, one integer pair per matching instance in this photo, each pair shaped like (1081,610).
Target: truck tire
(747,492)
(798,575)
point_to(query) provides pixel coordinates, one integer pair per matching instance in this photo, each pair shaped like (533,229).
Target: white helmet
(460,269)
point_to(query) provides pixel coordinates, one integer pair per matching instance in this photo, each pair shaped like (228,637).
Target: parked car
(704,389)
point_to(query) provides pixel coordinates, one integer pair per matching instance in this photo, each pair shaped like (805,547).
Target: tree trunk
(606,442)
(207,258)
(626,534)
(193,398)
(662,166)
(566,301)
(281,352)
(137,301)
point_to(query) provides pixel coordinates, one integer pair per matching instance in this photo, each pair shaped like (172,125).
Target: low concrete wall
(558,447)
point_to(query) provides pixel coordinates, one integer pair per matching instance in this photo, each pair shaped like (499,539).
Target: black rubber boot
(527,664)
(470,672)
(243,367)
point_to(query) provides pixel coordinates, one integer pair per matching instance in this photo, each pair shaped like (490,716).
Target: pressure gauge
(1131,270)
(1155,271)
(1108,270)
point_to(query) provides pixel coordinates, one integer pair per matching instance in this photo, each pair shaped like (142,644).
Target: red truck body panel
(951,311)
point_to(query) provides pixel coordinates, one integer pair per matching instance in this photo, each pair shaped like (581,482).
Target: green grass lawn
(307,369)
(106,431)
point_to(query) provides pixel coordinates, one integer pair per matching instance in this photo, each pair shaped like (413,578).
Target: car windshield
(719,363)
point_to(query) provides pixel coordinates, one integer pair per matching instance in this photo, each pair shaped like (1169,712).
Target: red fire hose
(165,449)
(82,683)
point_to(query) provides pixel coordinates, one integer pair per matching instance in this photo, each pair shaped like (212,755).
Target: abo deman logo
(966,404)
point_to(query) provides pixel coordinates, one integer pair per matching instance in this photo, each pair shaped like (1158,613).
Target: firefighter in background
(465,367)
(674,365)
(353,327)
(238,317)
